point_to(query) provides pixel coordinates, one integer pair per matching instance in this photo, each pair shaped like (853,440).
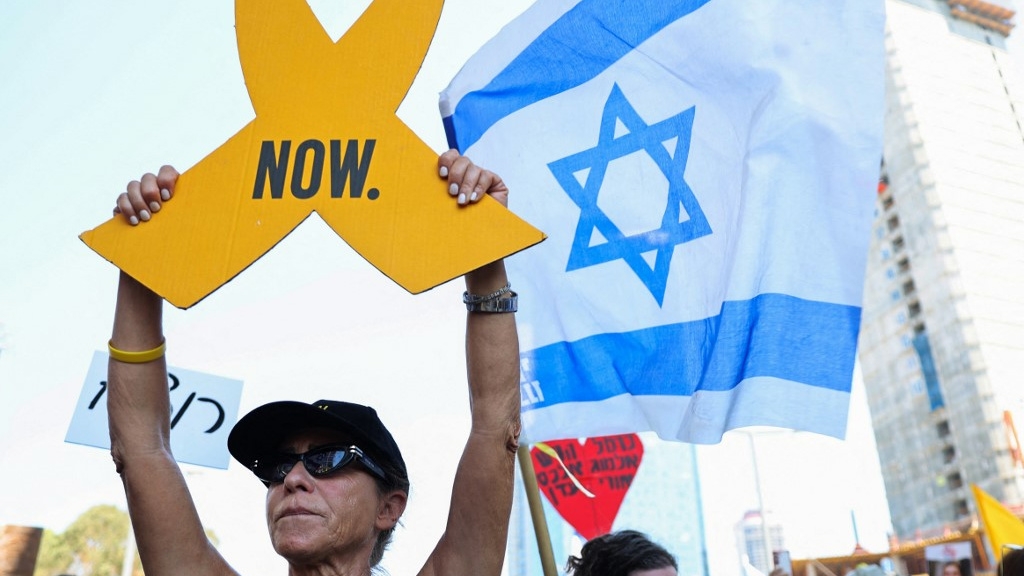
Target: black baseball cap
(262,431)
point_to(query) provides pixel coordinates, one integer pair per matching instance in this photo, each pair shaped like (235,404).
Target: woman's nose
(298,478)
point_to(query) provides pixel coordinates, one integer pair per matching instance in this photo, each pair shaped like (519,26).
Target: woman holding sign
(336,481)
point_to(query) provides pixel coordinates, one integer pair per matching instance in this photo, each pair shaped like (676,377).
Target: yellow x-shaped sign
(325,139)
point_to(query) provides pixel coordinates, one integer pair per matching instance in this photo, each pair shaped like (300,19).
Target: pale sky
(95,94)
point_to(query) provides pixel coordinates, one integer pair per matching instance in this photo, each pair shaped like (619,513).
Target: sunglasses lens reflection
(326,461)
(281,469)
(318,463)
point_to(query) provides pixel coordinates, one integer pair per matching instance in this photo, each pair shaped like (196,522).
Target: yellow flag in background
(1001,525)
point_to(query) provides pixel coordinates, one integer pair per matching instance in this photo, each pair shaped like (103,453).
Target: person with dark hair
(336,480)
(1012,563)
(622,553)
(951,569)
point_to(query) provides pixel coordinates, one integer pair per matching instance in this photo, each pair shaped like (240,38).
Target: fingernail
(453,189)
(134,221)
(443,171)
(462,198)
(144,214)
(154,206)
(472,197)
(165,194)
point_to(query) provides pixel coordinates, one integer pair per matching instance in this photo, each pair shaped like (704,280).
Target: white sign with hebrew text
(204,407)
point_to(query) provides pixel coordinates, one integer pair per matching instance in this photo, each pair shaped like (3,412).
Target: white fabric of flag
(705,171)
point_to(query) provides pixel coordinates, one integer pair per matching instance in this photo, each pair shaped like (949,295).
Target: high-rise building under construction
(942,338)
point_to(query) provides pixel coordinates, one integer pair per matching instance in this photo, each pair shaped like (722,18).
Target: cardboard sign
(604,467)
(948,552)
(203,410)
(325,139)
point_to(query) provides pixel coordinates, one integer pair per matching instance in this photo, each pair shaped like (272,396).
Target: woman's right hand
(144,197)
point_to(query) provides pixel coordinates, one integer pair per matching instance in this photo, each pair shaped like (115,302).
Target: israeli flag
(705,171)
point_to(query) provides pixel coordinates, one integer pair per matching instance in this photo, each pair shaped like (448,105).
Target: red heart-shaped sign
(603,466)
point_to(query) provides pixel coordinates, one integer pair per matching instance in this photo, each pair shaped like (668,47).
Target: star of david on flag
(611,146)
(705,171)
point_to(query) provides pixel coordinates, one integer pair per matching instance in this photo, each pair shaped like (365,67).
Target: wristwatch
(510,303)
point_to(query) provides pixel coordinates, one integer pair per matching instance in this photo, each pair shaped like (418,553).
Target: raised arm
(170,537)
(475,537)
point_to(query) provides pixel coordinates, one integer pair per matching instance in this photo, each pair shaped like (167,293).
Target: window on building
(893,222)
(903,265)
(919,328)
(931,376)
(954,481)
(887,202)
(909,288)
(960,508)
(943,428)
(898,244)
(914,309)
(948,454)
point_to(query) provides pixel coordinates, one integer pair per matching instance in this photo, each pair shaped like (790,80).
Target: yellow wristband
(137,357)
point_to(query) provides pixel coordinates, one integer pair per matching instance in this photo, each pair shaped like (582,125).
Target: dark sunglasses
(319,462)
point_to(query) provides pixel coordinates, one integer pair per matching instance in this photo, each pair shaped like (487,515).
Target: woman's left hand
(467,182)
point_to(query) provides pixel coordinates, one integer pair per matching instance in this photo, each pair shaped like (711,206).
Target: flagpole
(540,523)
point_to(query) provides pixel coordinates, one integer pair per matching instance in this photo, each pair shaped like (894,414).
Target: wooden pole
(540,523)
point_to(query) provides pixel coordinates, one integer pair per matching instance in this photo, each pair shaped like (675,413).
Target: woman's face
(951,570)
(330,519)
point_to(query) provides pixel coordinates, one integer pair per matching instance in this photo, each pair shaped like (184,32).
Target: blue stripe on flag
(449,132)
(573,50)
(771,335)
